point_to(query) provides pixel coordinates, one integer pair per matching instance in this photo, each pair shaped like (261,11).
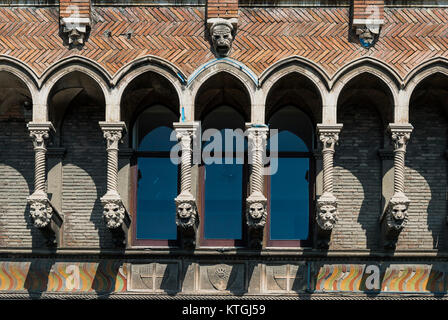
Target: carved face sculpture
(113,214)
(222,39)
(41,214)
(185,213)
(366,37)
(256,211)
(327,217)
(399,213)
(257,214)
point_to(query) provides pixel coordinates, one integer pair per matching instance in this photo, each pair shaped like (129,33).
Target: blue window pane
(287,141)
(157,140)
(290,200)
(223,201)
(157,188)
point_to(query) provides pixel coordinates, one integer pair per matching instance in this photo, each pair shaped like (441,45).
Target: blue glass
(288,141)
(223,200)
(157,140)
(290,200)
(157,188)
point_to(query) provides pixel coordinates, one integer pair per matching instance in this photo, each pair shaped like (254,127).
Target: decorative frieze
(114,212)
(187,219)
(256,212)
(395,217)
(327,204)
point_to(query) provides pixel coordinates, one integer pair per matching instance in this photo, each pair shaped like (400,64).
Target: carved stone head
(221,33)
(186,214)
(41,213)
(113,214)
(256,214)
(398,215)
(366,37)
(327,216)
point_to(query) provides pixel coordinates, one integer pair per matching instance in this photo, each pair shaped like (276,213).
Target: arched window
(223,178)
(156,178)
(289,186)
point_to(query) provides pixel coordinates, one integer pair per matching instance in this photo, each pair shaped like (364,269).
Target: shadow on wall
(84,176)
(358,178)
(17,168)
(426,177)
(359,187)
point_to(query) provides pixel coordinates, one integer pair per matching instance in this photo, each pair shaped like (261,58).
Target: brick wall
(368,9)
(357,176)
(426,179)
(225,9)
(74,8)
(84,177)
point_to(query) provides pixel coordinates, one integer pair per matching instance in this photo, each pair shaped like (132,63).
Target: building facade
(92,206)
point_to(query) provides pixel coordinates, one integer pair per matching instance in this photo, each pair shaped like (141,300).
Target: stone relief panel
(155,277)
(286,277)
(223,278)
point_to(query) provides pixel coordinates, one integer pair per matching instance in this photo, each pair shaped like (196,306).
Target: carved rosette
(222,33)
(75,29)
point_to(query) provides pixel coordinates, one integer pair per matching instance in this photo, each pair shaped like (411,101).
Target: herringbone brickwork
(265,35)
(78,8)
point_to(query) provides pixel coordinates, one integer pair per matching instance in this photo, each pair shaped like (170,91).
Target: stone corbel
(42,212)
(222,33)
(75,29)
(187,218)
(367,30)
(115,214)
(327,204)
(256,212)
(395,217)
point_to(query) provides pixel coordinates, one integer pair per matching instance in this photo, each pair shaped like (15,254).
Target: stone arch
(238,71)
(140,67)
(212,86)
(63,68)
(376,68)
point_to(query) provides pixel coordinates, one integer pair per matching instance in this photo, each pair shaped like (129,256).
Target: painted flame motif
(395,278)
(103,277)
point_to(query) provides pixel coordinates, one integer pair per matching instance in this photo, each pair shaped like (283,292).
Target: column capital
(329,128)
(113,132)
(400,134)
(39,131)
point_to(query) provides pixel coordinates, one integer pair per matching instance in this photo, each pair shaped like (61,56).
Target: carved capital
(329,136)
(39,132)
(75,29)
(257,138)
(400,135)
(112,132)
(222,33)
